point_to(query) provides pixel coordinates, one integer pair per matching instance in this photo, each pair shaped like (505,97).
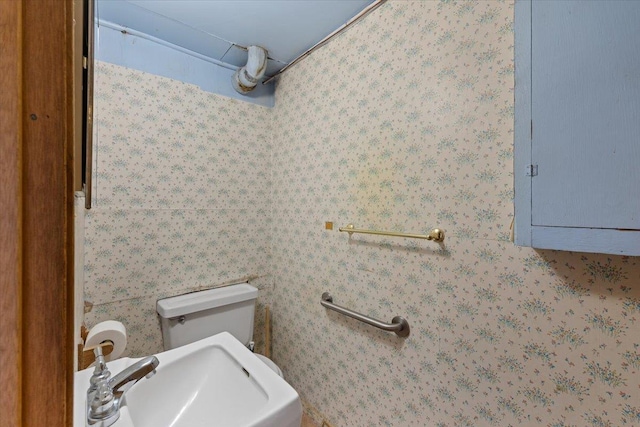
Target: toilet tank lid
(203,300)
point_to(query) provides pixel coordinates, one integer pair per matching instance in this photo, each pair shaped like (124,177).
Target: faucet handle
(88,355)
(100,372)
(101,402)
(97,352)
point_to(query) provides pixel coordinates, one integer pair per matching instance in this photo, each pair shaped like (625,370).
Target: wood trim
(36,256)
(88,111)
(48,212)
(10,219)
(78,70)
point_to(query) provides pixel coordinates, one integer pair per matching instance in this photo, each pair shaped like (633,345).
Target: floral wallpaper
(180,199)
(405,122)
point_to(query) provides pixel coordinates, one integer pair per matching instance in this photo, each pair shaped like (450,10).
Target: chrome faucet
(105,394)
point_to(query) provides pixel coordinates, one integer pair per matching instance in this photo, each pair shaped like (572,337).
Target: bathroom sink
(214,382)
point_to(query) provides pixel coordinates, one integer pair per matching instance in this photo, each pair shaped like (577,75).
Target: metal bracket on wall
(398,324)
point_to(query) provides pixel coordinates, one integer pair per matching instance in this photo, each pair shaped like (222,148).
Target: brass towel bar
(436,234)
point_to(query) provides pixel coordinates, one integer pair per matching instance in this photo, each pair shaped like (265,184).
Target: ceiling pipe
(246,78)
(373,6)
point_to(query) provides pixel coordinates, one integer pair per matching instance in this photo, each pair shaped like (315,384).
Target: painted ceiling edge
(162,42)
(367,10)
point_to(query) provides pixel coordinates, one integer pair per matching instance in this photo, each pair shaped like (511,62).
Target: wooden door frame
(36,213)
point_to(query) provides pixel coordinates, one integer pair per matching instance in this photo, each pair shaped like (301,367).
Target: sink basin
(214,382)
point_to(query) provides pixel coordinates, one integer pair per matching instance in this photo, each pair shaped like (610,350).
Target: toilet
(192,317)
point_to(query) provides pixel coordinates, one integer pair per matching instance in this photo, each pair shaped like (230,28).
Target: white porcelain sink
(215,382)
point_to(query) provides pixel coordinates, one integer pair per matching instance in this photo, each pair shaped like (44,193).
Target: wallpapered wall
(180,199)
(405,122)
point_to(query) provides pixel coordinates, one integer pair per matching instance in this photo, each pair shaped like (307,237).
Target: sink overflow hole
(246,372)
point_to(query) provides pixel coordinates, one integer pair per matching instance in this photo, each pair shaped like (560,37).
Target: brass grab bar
(437,235)
(398,324)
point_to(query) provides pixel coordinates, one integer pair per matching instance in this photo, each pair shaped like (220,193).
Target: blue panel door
(585,111)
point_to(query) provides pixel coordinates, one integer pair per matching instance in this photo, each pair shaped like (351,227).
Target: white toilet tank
(192,317)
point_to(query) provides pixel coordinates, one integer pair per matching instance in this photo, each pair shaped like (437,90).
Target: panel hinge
(532,170)
(84,62)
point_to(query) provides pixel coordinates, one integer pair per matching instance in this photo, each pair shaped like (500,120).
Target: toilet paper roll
(109,330)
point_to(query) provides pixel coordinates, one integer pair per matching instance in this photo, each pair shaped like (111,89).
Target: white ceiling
(215,28)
